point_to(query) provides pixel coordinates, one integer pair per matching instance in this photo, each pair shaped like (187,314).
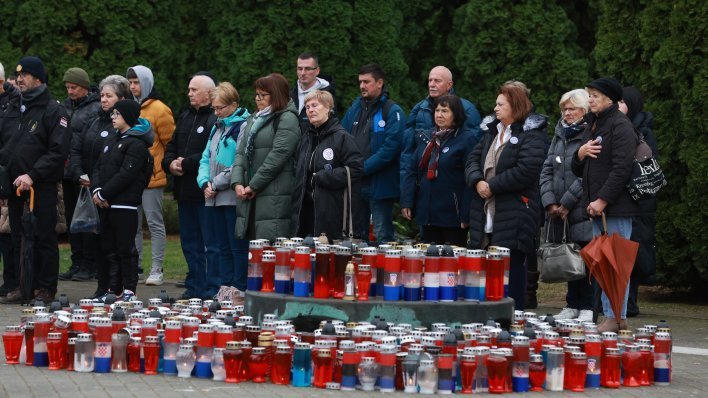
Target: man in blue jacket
(376,122)
(421,117)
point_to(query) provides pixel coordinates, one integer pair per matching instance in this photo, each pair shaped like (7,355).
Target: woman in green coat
(264,172)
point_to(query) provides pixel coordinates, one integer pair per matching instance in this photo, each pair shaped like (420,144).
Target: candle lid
(578,355)
(324,353)
(282,349)
(246,344)
(53,335)
(536,358)
(233,345)
(494,256)
(592,338)
(332,385)
(426,362)
(256,243)
(302,346)
(609,336)
(152,339)
(268,256)
(84,337)
(258,350)
(368,360)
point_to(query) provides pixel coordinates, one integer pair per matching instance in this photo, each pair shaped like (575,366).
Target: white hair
(2,72)
(577,97)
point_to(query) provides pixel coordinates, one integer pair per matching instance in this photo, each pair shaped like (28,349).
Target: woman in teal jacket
(227,257)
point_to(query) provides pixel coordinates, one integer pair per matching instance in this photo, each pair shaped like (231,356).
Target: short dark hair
(307,55)
(131,74)
(374,69)
(518,100)
(455,104)
(276,85)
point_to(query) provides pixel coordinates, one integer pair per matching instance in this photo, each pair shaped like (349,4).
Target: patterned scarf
(431,154)
(258,120)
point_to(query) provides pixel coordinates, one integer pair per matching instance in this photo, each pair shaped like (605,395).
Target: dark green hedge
(553,46)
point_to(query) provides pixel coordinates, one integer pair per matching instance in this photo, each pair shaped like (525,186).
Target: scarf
(258,120)
(571,130)
(431,153)
(490,170)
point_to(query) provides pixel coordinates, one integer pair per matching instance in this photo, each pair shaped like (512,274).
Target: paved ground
(690,368)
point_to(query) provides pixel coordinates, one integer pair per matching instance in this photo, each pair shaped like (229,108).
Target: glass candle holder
(151,351)
(427,376)
(12,341)
(185,360)
(258,365)
(54,349)
(217,364)
(367,372)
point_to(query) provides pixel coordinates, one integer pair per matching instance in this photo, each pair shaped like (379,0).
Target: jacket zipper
(457,205)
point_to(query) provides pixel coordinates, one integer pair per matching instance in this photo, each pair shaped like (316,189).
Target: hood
(146,80)
(634,101)
(320,83)
(143,130)
(239,115)
(533,121)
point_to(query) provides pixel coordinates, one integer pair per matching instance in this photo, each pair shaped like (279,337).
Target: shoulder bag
(560,262)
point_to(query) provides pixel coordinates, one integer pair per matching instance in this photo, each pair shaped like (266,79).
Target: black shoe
(82,276)
(4,290)
(98,293)
(632,314)
(13,297)
(66,276)
(185,296)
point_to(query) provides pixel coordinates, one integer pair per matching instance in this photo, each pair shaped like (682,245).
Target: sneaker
(585,316)
(127,295)
(14,297)
(82,276)
(106,298)
(155,279)
(567,313)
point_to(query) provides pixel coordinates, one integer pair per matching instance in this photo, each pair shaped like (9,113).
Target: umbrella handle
(31,203)
(604,222)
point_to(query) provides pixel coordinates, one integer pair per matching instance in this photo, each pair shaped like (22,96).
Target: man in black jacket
(39,146)
(181,160)
(82,104)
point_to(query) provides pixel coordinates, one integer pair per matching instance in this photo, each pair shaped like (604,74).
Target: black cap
(129,110)
(34,66)
(608,86)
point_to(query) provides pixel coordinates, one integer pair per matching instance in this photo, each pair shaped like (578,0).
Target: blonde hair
(323,97)
(226,93)
(578,97)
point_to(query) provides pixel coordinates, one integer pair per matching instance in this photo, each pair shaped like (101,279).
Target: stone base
(417,313)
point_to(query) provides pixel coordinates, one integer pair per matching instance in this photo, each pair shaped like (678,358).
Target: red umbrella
(610,260)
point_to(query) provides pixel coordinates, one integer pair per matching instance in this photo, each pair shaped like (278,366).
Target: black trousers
(44,258)
(118,254)
(83,255)
(439,235)
(10,276)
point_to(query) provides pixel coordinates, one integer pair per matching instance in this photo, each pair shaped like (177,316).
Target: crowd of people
(290,167)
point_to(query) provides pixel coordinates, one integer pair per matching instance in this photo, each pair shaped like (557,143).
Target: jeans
(622,226)
(231,254)
(152,207)
(192,229)
(382,215)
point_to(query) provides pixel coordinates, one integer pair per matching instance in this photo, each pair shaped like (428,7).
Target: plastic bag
(85,214)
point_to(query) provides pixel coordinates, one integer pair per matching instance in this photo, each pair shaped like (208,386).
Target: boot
(66,276)
(531,287)
(82,276)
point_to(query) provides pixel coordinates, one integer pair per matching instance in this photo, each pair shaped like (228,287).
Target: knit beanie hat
(34,66)
(77,76)
(608,86)
(129,110)
(634,101)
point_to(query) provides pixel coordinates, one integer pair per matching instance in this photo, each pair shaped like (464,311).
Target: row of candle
(425,272)
(218,348)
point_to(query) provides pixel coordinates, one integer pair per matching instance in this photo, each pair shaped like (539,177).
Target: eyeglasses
(306,68)
(220,108)
(260,96)
(115,113)
(569,109)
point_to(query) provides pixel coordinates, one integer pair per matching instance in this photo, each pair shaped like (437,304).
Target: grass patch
(174,267)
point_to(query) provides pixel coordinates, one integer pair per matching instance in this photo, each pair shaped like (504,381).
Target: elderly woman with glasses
(264,171)
(561,196)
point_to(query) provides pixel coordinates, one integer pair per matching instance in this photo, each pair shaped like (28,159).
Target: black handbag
(647,177)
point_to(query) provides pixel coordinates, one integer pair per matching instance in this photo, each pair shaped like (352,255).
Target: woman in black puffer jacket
(605,164)
(86,148)
(320,174)
(504,169)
